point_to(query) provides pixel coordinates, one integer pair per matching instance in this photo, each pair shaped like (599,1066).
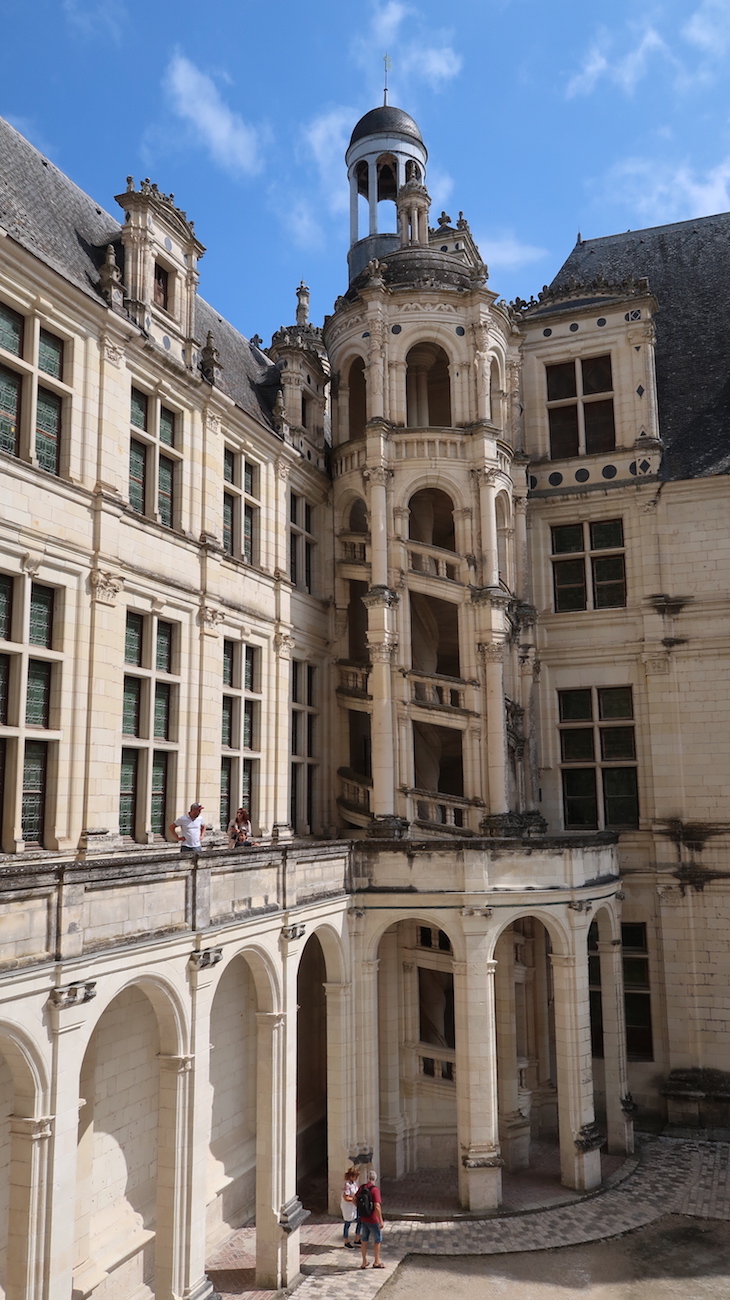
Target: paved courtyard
(675,1178)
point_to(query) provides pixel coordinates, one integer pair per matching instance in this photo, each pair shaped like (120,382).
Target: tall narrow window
(226,805)
(139,409)
(48,431)
(167,426)
(304,751)
(163,692)
(158,804)
(6,607)
(128,792)
(598,757)
(637,992)
(137,476)
(163,656)
(133,639)
(4,688)
(227,721)
(580,407)
(162,287)
(229,507)
(11,330)
(132,707)
(165,491)
(38,700)
(301,542)
(35,770)
(9,411)
(41,615)
(149,713)
(50,354)
(154,472)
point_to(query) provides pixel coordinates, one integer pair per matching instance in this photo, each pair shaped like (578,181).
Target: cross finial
(387,65)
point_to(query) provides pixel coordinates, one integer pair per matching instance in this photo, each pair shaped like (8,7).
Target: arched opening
(357,624)
(358,398)
(387,171)
(231,1174)
(363,197)
(432,519)
(434,636)
(7,1106)
(428,387)
(358,518)
(504,538)
(24,1146)
(495,394)
(118,1141)
(417,1056)
(312,1075)
(413,171)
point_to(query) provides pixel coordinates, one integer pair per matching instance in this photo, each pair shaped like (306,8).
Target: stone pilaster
(580,1139)
(477,1119)
(619,1106)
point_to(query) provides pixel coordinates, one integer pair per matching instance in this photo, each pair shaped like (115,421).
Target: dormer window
(162,287)
(580,407)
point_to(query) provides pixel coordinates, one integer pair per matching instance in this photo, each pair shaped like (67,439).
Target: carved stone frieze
(206,957)
(380,596)
(72,995)
(106,586)
(283,645)
(210,619)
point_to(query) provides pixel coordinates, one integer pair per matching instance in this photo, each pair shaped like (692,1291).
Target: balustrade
(353,679)
(433,561)
(439,692)
(441,810)
(436,1063)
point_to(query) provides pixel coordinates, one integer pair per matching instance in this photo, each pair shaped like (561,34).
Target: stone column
(342,422)
(398,392)
(378,477)
(180,1270)
(353,209)
(514,1128)
(488,512)
(619,1109)
(367,1098)
(373,196)
(521,579)
(341,1085)
(580,1139)
(67,1016)
(382,642)
(493,655)
(24,1273)
(389,1039)
(278,1210)
(477,1117)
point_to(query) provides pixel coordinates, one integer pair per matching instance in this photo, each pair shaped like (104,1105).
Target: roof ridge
(642,230)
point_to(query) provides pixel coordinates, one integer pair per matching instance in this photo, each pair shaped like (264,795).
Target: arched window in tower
(503,540)
(495,394)
(358,406)
(413,171)
(428,387)
(358,521)
(363,198)
(432,519)
(387,170)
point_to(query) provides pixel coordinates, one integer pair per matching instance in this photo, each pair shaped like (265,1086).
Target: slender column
(277,1250)
(373,197)
(398,392)
(353,209)
(521,579)
(367,1098)
(477,1116)
(619,1123)
(67,1020)
(490,553)
(340,1088)
(410,1021)
(175,1186)
(378,528)
(514,1130)
(26,1211)
(191,1087)
(580,1140)
(493,653)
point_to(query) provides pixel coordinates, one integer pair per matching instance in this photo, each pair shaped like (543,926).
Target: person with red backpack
(369,1204)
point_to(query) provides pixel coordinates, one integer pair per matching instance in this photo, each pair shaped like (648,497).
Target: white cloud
(440,186)
(326,138)
(435,65)
(301,222)
(195,99)
(96,17)
(624,71)
(387,21)
(708,28)
(505,252)
(661,192)
(418,51)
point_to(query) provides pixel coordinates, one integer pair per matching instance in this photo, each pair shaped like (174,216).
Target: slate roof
(386,120)
(52,218)
(688,268)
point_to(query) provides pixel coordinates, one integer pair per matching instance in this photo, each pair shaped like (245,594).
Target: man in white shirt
(192,825)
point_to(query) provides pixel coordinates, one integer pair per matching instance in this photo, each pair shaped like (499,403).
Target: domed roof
(386,120)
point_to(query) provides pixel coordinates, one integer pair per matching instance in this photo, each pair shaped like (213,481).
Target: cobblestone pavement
(672,1177)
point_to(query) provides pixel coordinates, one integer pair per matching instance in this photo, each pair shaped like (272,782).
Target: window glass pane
(227,721)
(311,719)
(128,791)
(35,765)
(9,410)
(311,678)
(307,517)
(38,699)
(50,354)
(594,971)
(41,615)
(566,538)
(6,606)
(228,654)
(296,732)
(133,640)
(609,582)
(165,488)
(137,475)
(563,421)
(599,426)
(162,711)
(293,557)
(570,585)
(638,1027)
(620,796)
(48,431)
(249,478)
(247,785)
(226,809)
(615,702)
(596,375)
(633,936)
(248,724)
(294,795)
(296,674)
(293,507)
(229,465)
(606,534)
(617,742)
(250,670)
(4,684)
(248,534)
(167,426)
(308,557)
(310,776)
(138,409)
(575,706)
(577,746)
(579,797)
(227,523)
(11,331)
(561,381)
(131,704)
(636,972)
(163,655)
(159,793)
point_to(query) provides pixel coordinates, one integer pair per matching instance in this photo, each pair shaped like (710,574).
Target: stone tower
(432,617)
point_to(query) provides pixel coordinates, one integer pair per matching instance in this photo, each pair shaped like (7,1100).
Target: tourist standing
(348,1206)
(192,826)
(370,1215)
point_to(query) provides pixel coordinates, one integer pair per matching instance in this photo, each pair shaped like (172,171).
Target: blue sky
(541,119)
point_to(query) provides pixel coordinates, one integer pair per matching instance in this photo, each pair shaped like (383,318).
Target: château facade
(439,593)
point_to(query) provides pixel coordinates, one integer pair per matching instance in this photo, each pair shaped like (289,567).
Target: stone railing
(355,791)
(436,1063)
(437,691)
(353,679)
(434,562)
(440,811)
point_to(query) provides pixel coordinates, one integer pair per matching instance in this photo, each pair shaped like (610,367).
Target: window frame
(241,762)
(304,737)
(588,562)
(157,452)
(243,491)
(302,542)
(579,401)
(24,366)
(598,724)
(154,679)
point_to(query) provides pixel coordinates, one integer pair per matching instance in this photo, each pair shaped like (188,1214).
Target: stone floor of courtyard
(670,1177)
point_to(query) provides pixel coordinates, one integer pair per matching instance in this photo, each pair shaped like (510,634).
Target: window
(50,354)
(41,445)
(48,431)
(241,715)
(42,600)
(598,758)
(304,746)
(9,411)
(637,992)
(38,699)
(162,287)
(241,506)
(35,768)
(149,717)
(11,331)
(301,542)
(580,407)
(154,473)
(589,569)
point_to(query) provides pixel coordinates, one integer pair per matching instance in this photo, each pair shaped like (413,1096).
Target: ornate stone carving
(213,421)
(283,645)
(382,652)
(289,932)
(628,1105)
(656,665)
(113,353)
(292,1215)
(206,957)
(588,1138)
(376,597)
(210,361)
(579,905)
(72,995)
(377,474)
(106,586)
(283,468)
(492,652)
(210,619)
(31,563)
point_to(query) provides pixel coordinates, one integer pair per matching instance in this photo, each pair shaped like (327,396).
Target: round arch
(263,971)
(428,916)
(442,480)
(31,1081)
(607,920)
(168,1004)
(560,935)
(417,333)
(332,950)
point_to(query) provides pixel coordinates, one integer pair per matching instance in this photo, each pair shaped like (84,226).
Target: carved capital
(205,957)
(492,652)
(106,586)
(72,995)
(487,477)
(380,596)
(289,932)
(382,652)
(283,645)
(210,619)
(378,475)
(520,504)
